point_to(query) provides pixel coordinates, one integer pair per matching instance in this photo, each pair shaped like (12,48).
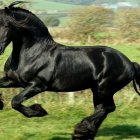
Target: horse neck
(38,35)
(35,46)
(17,45)
(41,42)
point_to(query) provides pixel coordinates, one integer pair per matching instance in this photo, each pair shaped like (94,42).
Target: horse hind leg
(88,127)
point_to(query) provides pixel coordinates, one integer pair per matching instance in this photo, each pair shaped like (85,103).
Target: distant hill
(80,2)
(116,1)
(87,2)
(46,5)
(66,5)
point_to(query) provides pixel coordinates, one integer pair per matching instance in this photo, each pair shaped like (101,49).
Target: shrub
(90,20)
(52,21)
(128,22)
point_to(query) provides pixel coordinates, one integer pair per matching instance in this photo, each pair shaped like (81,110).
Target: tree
(128,22)
(52,21)
(89,21)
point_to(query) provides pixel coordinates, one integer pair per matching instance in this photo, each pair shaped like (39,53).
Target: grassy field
(131,51)
(123,124)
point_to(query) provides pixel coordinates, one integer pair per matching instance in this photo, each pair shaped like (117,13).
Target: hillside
(51,6)
(75,1)
(133,2)
(66,5)
(86,2)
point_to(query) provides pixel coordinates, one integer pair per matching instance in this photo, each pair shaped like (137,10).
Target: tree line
(75,1)
(87,2)
(99,23)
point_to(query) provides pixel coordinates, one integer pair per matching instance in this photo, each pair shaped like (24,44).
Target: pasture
(123,124)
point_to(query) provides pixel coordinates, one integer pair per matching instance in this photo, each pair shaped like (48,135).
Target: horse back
(81,68)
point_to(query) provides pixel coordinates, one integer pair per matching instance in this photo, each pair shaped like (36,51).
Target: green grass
(131,51)
(64,21)
(123,124)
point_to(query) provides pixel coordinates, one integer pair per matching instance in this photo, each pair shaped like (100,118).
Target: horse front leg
(34,110)
(5,82)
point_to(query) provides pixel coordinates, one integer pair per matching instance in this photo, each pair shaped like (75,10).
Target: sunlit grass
(131,51)
(123,124)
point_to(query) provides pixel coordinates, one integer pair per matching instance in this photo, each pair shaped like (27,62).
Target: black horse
(37,63)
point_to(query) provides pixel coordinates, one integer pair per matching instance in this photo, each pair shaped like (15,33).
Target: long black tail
(136,77)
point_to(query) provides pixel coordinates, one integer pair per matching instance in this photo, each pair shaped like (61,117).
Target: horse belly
(73,72)
(73,83)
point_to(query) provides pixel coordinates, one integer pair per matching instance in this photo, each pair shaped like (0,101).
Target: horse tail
(136,78)
(135,87)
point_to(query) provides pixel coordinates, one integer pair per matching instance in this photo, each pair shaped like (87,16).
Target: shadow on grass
(120,131)
(62,136)
(59,138)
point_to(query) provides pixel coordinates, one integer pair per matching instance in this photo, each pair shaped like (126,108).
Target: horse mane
(30,15)
(29,18)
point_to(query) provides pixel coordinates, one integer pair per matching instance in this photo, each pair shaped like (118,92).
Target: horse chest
(13,75)
(26,73)
(20,75)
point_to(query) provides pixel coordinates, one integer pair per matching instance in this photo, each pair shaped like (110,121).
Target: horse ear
(7,10)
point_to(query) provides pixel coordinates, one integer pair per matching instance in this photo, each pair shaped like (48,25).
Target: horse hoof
(40,111)
(83,131)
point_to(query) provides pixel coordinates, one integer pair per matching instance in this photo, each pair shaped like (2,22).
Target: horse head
(16,21)
(6,28)
(5,31)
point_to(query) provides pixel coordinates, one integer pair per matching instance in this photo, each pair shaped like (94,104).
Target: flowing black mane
(22,18)
(30,17)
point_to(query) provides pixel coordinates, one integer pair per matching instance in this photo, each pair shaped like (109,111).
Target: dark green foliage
(52,21)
